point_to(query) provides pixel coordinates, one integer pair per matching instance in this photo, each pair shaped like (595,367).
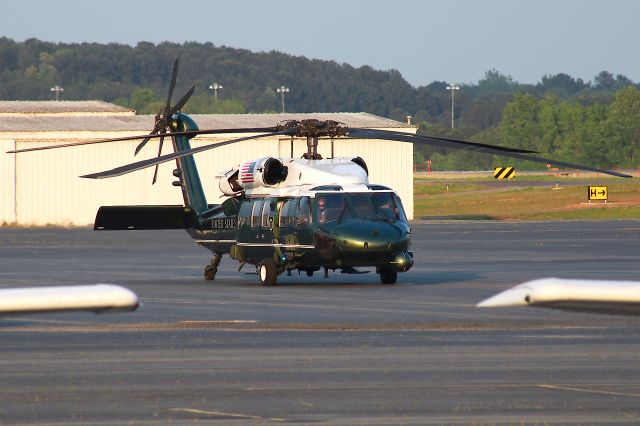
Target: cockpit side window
(383,204)
(399,210)
(330,207)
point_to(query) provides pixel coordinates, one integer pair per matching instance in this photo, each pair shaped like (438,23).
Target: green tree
(561,84)
(520,122)
(494,83)
(141,100)
(623,127)
(549,126)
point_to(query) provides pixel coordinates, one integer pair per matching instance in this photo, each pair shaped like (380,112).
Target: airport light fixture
(453,88)
(282,90)
(215,87)
(57,89)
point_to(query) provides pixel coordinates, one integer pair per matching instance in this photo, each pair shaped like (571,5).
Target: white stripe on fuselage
(241,244)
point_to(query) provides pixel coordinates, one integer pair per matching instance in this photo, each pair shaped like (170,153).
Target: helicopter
(283,214)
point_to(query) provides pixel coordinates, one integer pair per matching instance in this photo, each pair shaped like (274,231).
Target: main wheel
(268,272)
(388,275)
(210,273)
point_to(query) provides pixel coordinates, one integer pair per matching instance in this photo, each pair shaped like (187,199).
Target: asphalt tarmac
(343,350)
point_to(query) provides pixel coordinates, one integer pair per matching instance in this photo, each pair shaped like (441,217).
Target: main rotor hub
(314,128)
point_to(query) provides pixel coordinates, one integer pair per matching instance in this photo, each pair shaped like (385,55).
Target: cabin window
(303,212)
(244,215)
(268,211)
(283,220)
(255,214)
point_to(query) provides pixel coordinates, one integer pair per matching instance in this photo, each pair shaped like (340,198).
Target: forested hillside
(595,122)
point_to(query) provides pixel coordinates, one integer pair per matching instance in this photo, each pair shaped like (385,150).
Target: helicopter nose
(379,237)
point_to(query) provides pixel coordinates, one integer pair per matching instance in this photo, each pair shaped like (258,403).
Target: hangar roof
(114,123)
(61,107)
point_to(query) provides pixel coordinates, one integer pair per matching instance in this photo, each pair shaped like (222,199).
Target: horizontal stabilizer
(118,218)
(611,297)
(97,298)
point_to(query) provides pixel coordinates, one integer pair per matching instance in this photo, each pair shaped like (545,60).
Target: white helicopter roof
(308,177)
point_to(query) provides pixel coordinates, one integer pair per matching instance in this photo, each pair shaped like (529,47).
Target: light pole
(282,90)
(58,90)
(215,87)
(453,88)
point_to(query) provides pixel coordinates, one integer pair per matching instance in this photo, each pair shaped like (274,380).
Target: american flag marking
(246,172)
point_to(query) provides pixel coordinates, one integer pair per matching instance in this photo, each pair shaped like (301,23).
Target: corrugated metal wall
(7,182)
(49,191)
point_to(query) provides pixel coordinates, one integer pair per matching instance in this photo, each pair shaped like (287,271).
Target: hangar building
(43,187)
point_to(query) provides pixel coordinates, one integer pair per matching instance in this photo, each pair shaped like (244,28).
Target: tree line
(593,122)
(594,134)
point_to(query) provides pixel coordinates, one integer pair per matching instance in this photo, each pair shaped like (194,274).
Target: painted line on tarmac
(223,414)
(219,322)
(258,326)
(586,390)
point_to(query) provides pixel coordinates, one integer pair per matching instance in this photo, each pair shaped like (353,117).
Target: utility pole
(453,88)
(282,90)
(58,90)
(215,87)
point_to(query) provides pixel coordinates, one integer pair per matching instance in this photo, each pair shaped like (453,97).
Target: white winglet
(97,298)
(615,297)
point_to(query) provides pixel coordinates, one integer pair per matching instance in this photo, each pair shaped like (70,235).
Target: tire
(388,275)
(268,272)
(210,273)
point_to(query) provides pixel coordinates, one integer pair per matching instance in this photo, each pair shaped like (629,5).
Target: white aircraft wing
(611,297)
(97,298)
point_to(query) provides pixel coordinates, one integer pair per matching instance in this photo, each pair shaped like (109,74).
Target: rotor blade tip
(91,176)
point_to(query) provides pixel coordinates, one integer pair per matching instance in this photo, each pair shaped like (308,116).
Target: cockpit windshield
(384,206)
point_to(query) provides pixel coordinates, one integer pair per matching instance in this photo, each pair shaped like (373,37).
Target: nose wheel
(388,275)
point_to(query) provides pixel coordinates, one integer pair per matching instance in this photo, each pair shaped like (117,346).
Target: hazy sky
(454,41)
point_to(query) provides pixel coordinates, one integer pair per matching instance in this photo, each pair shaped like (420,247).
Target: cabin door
(303,230)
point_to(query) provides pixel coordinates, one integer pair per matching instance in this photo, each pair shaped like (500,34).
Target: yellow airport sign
(504,173)
(597,193)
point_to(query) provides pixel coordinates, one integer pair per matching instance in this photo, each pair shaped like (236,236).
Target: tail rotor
(163,118)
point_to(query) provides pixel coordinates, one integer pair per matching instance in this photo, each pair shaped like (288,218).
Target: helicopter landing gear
(388,275)
(268,272)
(211,269)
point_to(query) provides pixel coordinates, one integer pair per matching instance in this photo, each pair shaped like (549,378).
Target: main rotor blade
(183,100)
(151,136)
(118,171)
(172,85)
(473,146)
(432,140)
(155,172)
